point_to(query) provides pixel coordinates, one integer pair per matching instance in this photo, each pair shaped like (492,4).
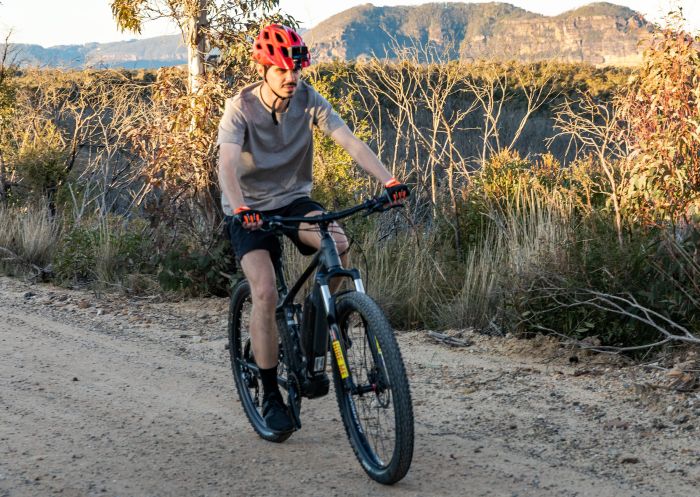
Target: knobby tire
(363,324)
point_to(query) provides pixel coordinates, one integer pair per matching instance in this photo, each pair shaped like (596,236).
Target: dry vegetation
(107,178)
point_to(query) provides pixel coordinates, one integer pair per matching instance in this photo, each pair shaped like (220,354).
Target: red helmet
(280,46)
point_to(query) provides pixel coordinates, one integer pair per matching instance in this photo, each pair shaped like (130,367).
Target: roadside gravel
(109,395)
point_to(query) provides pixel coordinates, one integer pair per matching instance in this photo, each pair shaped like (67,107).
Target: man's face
(282,81)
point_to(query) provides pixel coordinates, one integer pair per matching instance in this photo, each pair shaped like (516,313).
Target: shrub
(197,271)
(662,112)
(104,250)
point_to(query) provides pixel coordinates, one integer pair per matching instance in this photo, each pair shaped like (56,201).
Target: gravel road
(107,395)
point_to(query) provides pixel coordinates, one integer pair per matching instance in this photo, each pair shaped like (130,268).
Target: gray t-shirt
(276,160)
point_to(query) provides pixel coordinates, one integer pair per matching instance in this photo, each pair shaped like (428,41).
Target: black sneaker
(276,414)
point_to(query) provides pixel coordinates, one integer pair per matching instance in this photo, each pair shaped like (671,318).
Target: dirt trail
(118,397)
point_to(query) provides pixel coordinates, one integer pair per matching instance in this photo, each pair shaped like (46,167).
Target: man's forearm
(369,161)
(361,153)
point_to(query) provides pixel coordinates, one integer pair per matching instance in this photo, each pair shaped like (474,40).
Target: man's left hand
(396,192)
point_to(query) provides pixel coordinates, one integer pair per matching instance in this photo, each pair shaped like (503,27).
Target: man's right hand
(250,219)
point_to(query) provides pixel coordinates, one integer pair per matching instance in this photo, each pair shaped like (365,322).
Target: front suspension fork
(338,345)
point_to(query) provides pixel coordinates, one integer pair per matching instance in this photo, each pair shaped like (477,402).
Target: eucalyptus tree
(204,24)
(8,66)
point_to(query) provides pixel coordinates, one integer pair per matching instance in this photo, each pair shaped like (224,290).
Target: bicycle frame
(327,264)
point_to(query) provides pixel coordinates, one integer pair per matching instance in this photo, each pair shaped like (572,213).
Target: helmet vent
(266,35)
(294,37)
(279,37)
(271,49)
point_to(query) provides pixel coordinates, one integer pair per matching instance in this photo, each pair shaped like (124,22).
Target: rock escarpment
(599,33)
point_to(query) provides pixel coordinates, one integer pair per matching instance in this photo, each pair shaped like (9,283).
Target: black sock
(269,381)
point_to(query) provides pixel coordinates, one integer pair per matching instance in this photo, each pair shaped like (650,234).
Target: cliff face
(599,33)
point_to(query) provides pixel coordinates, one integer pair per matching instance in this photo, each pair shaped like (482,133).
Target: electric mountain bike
(369,377)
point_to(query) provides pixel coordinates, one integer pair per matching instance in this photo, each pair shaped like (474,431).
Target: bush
(662,112)
(197,271)
(104,250)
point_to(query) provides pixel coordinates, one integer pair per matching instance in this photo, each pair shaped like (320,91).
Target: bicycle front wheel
(377,412)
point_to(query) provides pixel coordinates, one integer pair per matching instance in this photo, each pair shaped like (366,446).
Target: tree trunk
(3,190)
(197,45)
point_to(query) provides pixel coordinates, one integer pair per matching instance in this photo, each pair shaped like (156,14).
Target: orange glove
(395,191)
(247,216)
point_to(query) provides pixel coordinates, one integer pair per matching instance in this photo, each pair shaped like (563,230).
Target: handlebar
(375,204)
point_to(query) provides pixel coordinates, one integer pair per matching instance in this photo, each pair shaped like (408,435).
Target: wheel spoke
(376,417)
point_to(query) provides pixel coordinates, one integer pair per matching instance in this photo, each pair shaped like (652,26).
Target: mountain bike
(369,376)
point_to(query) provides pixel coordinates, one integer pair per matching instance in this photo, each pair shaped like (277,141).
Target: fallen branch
(669,331)
(448,340)
(12,257)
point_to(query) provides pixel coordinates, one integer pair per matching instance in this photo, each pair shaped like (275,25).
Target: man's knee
(264,293)
(258,268)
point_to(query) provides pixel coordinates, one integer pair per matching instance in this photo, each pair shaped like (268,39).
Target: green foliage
(502,175)
(622,295)
(7,100)
(75,260)
(128,14)
(197,272)
(103,250)
(662,110)
(42,168)
(555,300)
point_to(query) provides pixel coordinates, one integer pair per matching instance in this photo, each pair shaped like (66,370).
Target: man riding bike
(265,168)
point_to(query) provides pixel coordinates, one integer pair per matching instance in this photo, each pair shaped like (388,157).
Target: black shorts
(243,240)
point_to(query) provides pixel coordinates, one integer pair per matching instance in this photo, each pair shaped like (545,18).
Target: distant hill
(148,53)
(598,33)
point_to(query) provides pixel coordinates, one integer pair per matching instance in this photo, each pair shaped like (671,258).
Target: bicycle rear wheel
(378,414)
(245,373)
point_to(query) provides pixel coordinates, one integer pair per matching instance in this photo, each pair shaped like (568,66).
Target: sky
(63,22)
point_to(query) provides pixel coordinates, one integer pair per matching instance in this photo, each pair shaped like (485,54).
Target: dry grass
(408,274)
(527,236)
(28,238)
(478,301)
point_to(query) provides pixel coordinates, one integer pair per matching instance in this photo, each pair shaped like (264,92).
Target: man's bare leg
(260,273)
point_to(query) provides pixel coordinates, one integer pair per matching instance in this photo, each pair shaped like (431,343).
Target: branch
(667,328)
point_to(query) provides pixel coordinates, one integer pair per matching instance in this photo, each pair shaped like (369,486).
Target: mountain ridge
(131,54)
(598,33)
